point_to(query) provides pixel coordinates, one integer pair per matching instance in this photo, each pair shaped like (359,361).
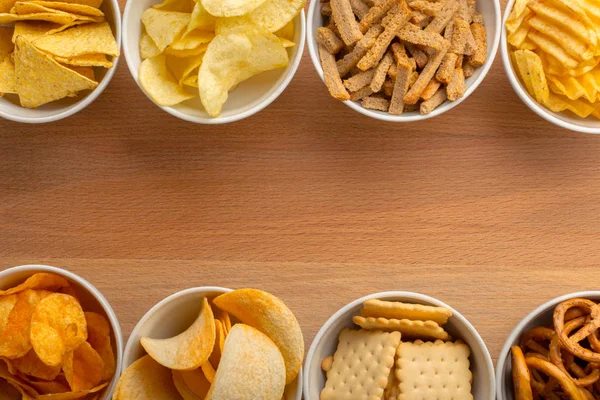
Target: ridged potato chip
(42,280)
(14,338)
(230,8)
(164,26)
(188,350)
(83,367)
(99,338)
(579,107)
(58,325)
(191,385)
(160,84)
(251,364)
(268,314)
(30,364)
(146,379)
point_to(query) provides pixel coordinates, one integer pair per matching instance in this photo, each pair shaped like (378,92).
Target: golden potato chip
(184,6)
(72,395)
(8,81)
(58,325)
(523,70)
(86,60)
(275,14)
(215,356)
(187,53)
(31,365)
(164,26)
(159,83)
(193,40)
(287,32)
(209,371)
(26,391)
(40,80)
(7,303)
(191,385)
(230,8)
(6,44)
(234,57)
(537,75)
(183,68)
(14,338)
(9,392)
(99,338)
(192,81)
(146,379)
(80,40)
(200,19)
(580,107)
(188,350)
(42,280)
(287,43)
(48,387)
(148,48)
(72,8)
(83,367)
(251,364)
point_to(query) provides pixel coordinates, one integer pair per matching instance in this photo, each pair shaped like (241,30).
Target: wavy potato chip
(80,40)
(230,8)
(251,364)
(146,379)
(191,385)
(58,325)
(14,338)
(99,338)
(160,84)
(42,280)
(579,107)
(148,48)
(83,367)
(31,365)
(164,26)
(188,350)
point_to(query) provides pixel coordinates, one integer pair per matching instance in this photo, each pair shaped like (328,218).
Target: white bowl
(11,109)
(489,9)
(91,300)
(175,314)
(538,317)
(326,341)
(250,97)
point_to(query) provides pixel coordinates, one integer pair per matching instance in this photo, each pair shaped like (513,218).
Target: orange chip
(223,316)
(83,367)
(14,339)
(46,387)
(71,395)
(209,371)
(99,337)
(27,391)
(31,365)
(215,356)
(146,379)
(6,305)
(57,326)
(191,385)
(42,280)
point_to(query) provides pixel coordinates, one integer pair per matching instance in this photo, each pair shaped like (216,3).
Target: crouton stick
(417,17)
(468,69)
(472,7)
(393,71)
(446,70)
(400,56)
(456,88)
(460,32)
(351,59)
(459,61)
(359,80)
(470,45)
(438,98)
(329,40)
(463,10)
(431,89)
(477,18)
(359,8)
(412,34)
(345,21)
(419,55)
(413,78)
(360,93)
(427,7)
(331,75)
(326,9)
(388,87)
(376,52)
(375,14)
(415,91)
(376,103)
(400,89)
(381,72)
(480,35)
(441,20)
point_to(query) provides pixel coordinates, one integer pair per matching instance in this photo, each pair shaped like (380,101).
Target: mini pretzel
(557,359)
(521,376)
(572,343)
(530,339)
(554,372)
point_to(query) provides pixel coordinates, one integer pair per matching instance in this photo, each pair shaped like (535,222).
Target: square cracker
(399,310)
(361,365)
(433,371)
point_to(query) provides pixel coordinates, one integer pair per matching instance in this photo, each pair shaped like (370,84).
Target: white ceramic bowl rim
(446,106)
(110,313)
(90,97)
(518,330)
(391,294)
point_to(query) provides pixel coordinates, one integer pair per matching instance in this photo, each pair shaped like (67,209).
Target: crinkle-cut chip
(287,32)
(185,6)
(188,350)
(398,310)
(146,379)
(71,8)
(80,40)
(58,325)
(409,329)
(230,8)
(273,15)
(586,86)
(217,353)
(86,60)
(6,44)
(88,72)
(40,79)
(164,26)
(26,391)
(83,367)
(99,339)
(579,107)
(193,40)
(519,36)
(41,280)
(160,84)
(191,385)
(7,303)
(187,53)
(234,57)
(8,82)
(14,338)
(513,24)
(183,68)
(72,395)
(148,48)
(251,364)
(31,365)
(519,8)
(535,70)
(270,315)
(200,19)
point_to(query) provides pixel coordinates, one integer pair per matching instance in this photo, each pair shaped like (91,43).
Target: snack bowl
(250,96)
(11,109)
(563,119)
(175,314)
(326,341)
(91,300)
(491,13)
(539,317)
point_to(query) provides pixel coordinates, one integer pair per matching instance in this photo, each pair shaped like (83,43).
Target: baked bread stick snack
(401,56)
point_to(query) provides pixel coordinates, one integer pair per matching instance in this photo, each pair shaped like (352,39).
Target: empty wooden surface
(487,207)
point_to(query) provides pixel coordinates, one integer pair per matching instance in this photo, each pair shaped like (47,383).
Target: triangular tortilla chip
(40,79)
(6,45)
(28,8)
(88,72)
(6,5)
(71,8)
(7,74)
(91,3)
(32,30)
(164,27)
(58,18)
(86,60)
(80,40)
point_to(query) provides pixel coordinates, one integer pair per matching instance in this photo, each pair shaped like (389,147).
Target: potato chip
(71,395)
(184,6)
(58,325)
(31,365)
(230,8)
(8,82)
(193,40)
(200,19)
(215,356)
(80,40)
(251,364)
(164,26)
(48,387)
(99,338)
(192,81)
(209,371)
(40,80)
(286,43)
(42,280)
(234,57)
(72,8)
(188,350)
(275,14)
(579,107)
(287,32)
(160,84)
(26,391)
(14,338)
(146,379)
(148,48)
(271,316)
(6,44)
(6,5)
(83,367)
(191,385)
(7,303)
(9,392)
(536,73)
(187,53)
(523,70)
(183,68)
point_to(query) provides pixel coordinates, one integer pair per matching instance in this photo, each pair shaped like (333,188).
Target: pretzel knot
(565,382)
(589,327)
(521,376)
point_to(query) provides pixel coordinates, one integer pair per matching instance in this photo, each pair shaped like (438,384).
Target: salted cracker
(409,329)
(399,310)
(361,365)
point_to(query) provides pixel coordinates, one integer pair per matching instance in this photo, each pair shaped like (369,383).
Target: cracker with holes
(410,329)
(361,365)
(398,310)
(433,370)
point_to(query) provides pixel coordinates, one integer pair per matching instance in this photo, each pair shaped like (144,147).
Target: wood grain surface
(487,207)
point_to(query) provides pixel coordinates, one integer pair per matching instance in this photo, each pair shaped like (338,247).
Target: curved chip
(271,316)
(14,338)
(160,84)
(273,15)
(164,26)
(230,8)
(42,280)
(99,338)
(83,367)
(191,385)
(252,367)
(148,48)
(215,356)
(188,350)
(146,379)
(200,19)
(31,365)
(72,395)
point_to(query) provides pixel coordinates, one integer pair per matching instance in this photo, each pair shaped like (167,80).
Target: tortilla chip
(88,72)
(86,60)
(40,79)
(6,44)
(62,18)
(71,8)
(30,8)
(91,3)
(80,40)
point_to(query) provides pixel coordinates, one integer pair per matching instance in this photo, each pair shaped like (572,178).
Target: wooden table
(488,207)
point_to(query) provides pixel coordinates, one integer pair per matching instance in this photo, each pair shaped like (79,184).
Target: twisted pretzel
(521,376)
(556,357)
(572,343)
(553,371)
(530,339)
